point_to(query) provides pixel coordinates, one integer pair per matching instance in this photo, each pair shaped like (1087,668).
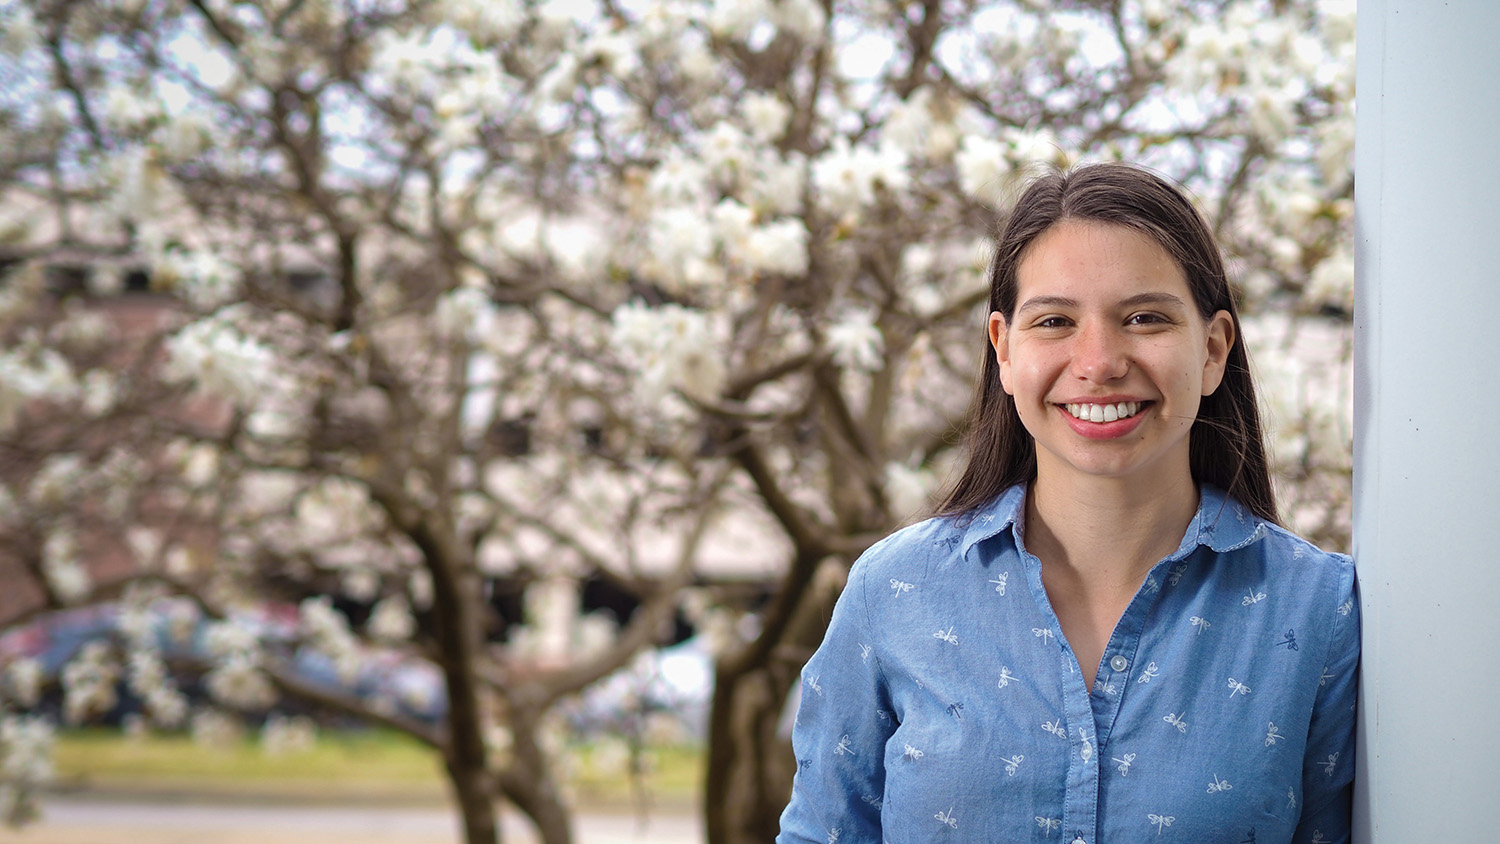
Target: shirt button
(1119,663)
(1087,752)
(1079,840)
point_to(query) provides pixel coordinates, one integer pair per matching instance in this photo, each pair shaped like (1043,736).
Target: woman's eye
(1052,322)
(1145,319)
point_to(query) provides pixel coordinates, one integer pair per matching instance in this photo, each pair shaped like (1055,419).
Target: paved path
(92,821)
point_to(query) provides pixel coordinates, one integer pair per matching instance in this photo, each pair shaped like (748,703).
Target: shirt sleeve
(843,723)
(1328,768)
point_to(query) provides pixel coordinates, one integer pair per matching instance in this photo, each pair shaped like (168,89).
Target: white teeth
(1104,412)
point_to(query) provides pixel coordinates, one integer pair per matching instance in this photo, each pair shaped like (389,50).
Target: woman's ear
(1219,340)
(998,337)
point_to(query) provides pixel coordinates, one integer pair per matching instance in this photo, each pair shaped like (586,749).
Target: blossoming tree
(457,287)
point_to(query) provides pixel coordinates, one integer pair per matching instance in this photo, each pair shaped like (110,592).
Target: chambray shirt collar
(1221,523)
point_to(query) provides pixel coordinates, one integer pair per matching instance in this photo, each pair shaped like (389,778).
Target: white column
(1427,419)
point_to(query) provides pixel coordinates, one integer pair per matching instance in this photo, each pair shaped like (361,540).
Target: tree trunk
(529,784)
(750,766)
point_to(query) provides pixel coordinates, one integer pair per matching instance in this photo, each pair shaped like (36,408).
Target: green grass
(357,766)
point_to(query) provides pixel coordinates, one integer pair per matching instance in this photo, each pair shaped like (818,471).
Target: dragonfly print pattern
(971,670)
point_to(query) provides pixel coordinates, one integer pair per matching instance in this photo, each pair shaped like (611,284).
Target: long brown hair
(1226,444)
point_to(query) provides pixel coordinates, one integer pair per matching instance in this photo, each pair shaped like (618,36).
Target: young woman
(1104,636)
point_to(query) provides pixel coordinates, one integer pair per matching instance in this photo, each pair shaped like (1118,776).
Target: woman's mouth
(1104,412)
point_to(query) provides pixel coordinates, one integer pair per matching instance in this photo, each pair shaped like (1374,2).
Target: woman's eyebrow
(1037,302)
(1136,301)
(1160,299)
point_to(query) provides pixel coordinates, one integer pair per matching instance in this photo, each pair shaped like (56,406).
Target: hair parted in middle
(1226,444)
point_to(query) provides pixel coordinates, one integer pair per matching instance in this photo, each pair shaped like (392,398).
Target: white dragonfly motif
(1000,580)
(1125,764)
(1048,824)
(947,818)
(833,836)
(1327,675)
(1273,734)
(1151,671)
(845,746)
(1005,676)
(1175,576)
(1103,688)
(812,683)
(1043,633)
(1218,785)
(1317,837)
(875,802)
(900,586)
(1012,764)
(987,518)
(1252,597)
(946,635)
(1161,821)
(1055,727)
(1201,623)
(1152,585)
(1176,721)
(1291,798)
(1237,688)
(864,651)
(1333,761)
(912,753)
(1346,607)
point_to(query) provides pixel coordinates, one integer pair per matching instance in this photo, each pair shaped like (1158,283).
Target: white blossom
(803,18)
(856,342)
(283,734)
(221,360)
(213,728)
(88,681)
(239,683)
(24,675)
(725,150)
(847,177)
(327,630)
(59,477)
(65,573)
(671,347)
(392,621)
(908,489)
(203,278)
(766,115)
(735,19)
(778,247)
(982,167)
(25,750)
(681,243)
(465,313)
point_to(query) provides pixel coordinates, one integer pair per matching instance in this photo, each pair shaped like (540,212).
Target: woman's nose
(1100,354)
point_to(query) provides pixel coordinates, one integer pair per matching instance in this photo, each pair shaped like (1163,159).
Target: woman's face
(1106,355)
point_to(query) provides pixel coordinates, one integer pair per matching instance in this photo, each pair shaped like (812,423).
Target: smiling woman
(1161,621)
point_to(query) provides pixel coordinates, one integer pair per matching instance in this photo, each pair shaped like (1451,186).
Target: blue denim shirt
(945,704)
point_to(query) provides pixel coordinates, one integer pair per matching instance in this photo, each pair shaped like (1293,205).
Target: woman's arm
(843,723)
(1328,768)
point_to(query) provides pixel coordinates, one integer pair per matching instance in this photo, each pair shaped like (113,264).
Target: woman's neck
(1107,532)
